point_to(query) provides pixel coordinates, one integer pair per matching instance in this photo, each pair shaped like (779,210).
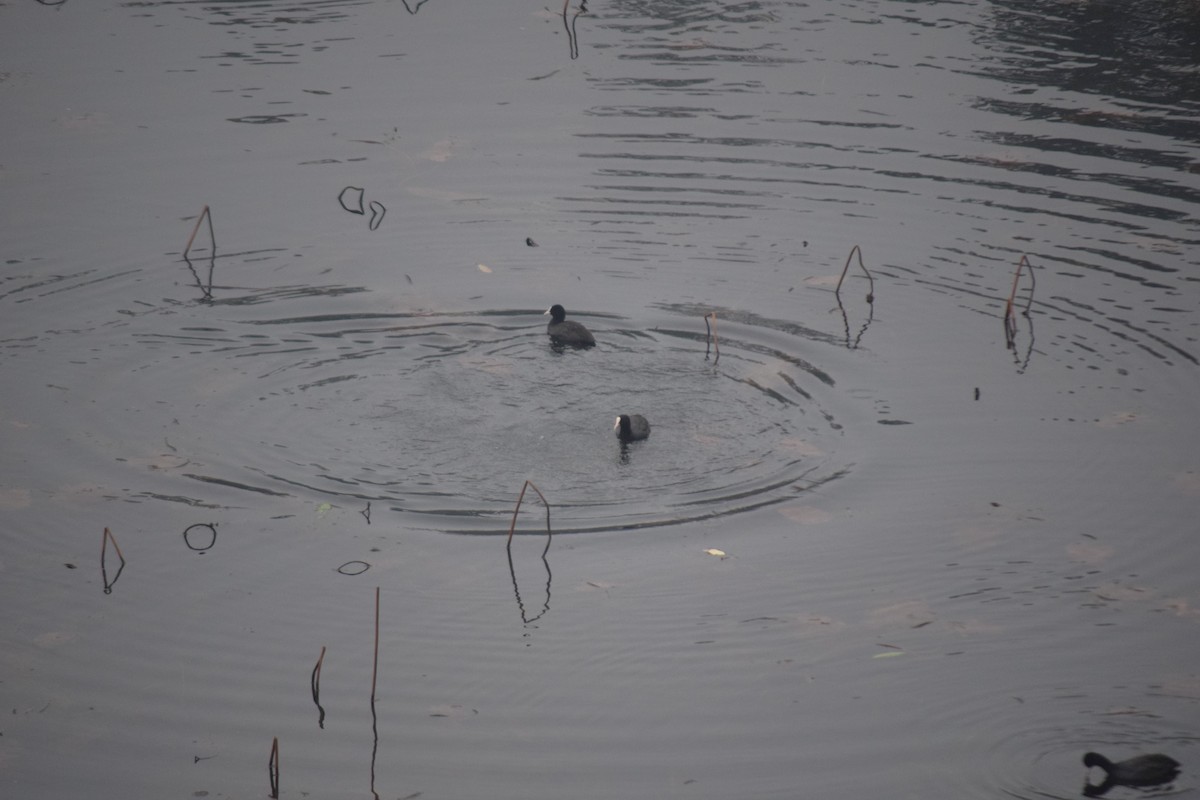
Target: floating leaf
(889,654)
(806,515)
(484,268)
(1117,418)
(321,509)
(712,551)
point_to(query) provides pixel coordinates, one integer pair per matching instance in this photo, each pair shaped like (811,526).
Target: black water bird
(1146,770)
(631,427)
(565,331)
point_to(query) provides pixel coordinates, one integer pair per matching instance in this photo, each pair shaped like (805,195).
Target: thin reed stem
(867,272)
(712,335)
(1010,322)
(108,537)
(513,525)
(205,214)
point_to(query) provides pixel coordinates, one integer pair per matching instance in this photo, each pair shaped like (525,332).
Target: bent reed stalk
(1010,321)
(712,337)
(205,214)
(516,510)
(108,537)
(867,272)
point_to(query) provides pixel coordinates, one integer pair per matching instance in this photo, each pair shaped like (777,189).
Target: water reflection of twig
(1010,318)
(413,8)
(512,571)
(200,546)
(525,618)
(572,37)
(316,689)
(374,718)
(108,537)
(351,199)
(212,253)
(273,768)
(711,333)
(870,299)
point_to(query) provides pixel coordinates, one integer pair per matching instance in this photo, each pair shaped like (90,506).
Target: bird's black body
(565,331)
(1151,769)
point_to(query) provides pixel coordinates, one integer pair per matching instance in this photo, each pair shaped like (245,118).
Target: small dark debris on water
(529,242)
(408,278)
(70,566)
(977,393)
(893,422)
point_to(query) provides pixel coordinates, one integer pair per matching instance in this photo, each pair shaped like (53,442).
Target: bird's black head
(557,313)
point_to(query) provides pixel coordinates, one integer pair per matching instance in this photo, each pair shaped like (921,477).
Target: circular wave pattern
(444,416)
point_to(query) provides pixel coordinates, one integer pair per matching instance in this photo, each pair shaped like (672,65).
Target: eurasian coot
(1145,770)
(631,427)
(564,331)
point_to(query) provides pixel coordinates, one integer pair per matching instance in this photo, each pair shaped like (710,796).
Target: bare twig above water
(512,569)
(273,768)
(870,279)
(1010,317)
(212,253)
(108,537)
(1010,322)
(513,525)
(711,333)
(870,298)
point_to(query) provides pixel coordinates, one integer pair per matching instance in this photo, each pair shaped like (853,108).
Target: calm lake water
(878,544)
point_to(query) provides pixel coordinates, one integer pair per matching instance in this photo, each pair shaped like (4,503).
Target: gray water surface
(870,550)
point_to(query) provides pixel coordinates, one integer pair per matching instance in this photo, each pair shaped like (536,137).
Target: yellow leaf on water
(712,551)
(889,654)
(321,509)
(484,268)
